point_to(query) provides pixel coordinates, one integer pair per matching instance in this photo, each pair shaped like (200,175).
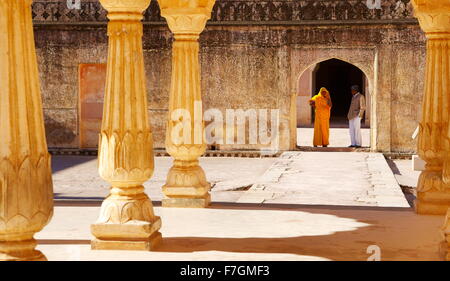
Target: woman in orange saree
(322,105)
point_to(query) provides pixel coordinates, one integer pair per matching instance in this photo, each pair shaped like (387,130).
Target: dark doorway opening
(338,77)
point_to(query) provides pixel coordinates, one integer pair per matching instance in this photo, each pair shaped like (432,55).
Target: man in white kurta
(355,115)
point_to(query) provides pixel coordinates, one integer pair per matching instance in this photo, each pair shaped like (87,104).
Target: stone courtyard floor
(300,206)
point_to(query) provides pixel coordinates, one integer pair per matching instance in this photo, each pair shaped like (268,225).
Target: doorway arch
(337,75)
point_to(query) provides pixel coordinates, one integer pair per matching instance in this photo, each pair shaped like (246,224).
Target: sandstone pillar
(446,234)
(433,194)
(186,184)
(26,191)
(127,220)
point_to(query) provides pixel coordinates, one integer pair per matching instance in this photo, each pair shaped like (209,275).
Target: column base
(444,250)
(432,203)
(187,202)
(149,244)
(429,208)
(131,236)
(445,245)
(34,256)
(433,196)
(20,251)
(186,186)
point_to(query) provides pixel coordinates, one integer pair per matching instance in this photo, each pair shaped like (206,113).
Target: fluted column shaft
(185,94)
(433,191)
(127,220)
(26,190)
(433,195)
(186,184)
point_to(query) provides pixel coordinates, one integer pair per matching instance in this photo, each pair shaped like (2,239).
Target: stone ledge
(248,23)
(163,153)
(399,155)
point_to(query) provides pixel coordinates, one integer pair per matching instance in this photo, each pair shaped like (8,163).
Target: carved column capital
(126,7)
(181,24)
(186,17)
(434,16)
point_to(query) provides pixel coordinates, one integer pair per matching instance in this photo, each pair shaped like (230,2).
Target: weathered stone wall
(252,55)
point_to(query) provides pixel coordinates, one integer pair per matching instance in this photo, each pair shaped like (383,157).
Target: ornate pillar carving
(186,184)
(127,220)
(26,190)
(433,193)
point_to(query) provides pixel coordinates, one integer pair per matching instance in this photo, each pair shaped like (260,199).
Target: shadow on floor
(69,201)
(398,232)
(97,202)
(387,229)
(393,166)
(60,163)
(409,192)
